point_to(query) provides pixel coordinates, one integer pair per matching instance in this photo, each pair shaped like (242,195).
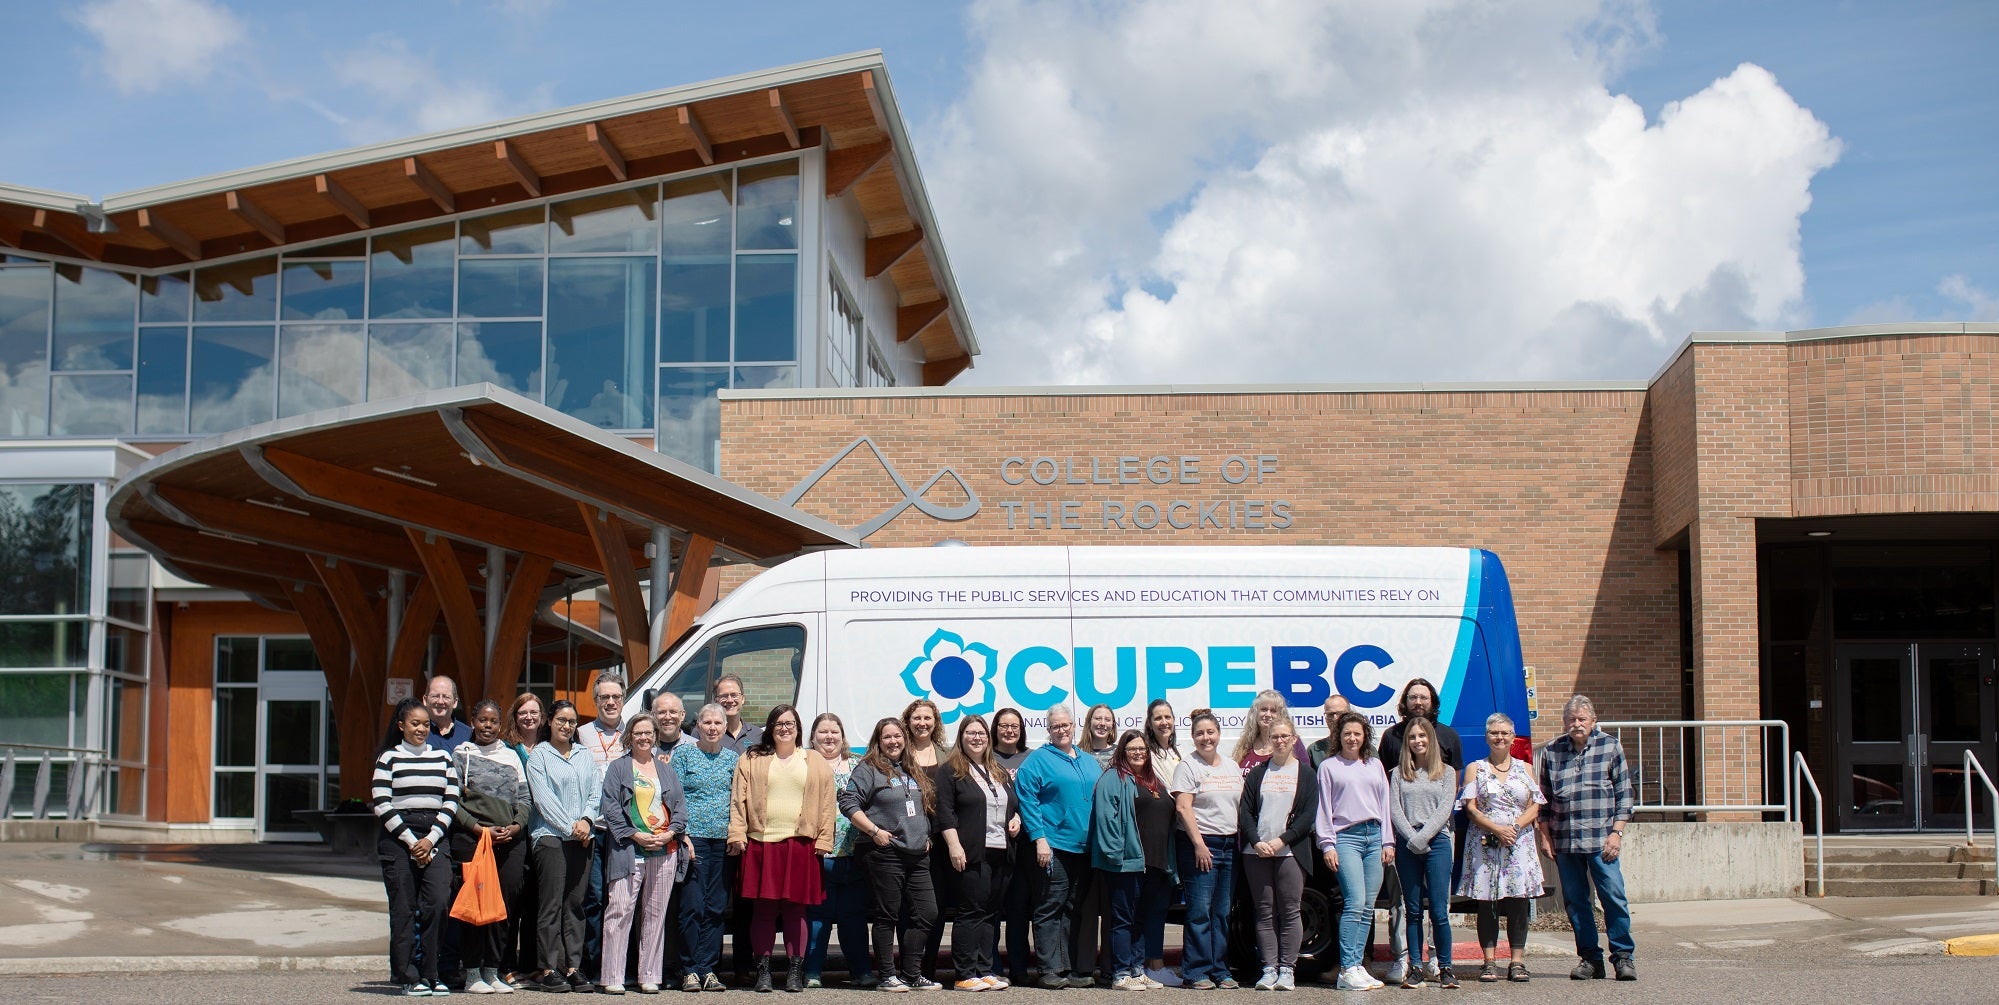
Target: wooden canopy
(841,105)
(471,505)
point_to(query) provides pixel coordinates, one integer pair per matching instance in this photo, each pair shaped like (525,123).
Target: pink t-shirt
(1351,792)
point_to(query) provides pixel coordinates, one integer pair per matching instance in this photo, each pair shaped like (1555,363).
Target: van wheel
(1318,915)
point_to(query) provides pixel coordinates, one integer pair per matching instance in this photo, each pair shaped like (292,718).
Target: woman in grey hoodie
(1423,790)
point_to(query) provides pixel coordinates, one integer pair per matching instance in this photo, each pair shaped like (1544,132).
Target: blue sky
(1088,160)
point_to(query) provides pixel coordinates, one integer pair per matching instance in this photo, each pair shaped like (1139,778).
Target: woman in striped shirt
(415,797)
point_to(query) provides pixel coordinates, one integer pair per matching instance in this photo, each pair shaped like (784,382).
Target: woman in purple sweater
(1353,818)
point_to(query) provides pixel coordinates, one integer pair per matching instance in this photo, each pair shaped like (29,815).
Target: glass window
(501,288)
(94,405)
(324,291)
(842,360)
(235,795)
(292,655)
(124,650)
(131,576)
(600,323)
(690,421)
(768,214)
(94,311)
(766,377)
(36,708)
(319,366)
(45,549)
(768,660)
(614,221)
(162,381)
(233,384)
(878,373)
(407,359)
(694,313)
(697,217)
(516,232)
(235,727)
(163,298)
(24,351)
(239,291)
(126,719)
(356,248)
(503,353)
(236,660)
(43,644)
(766,307)
(410,274)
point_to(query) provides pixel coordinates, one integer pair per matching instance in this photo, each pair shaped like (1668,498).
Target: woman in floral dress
(1502,870)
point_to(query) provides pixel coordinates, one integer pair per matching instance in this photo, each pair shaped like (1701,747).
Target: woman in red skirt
(781,822)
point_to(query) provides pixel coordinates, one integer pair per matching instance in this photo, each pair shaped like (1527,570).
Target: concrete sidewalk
(83,909)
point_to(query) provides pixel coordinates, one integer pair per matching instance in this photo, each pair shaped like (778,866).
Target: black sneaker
(1626,969)
(1081,981)
(1447,978)
(1587,970)
(1053,982)
(551,983)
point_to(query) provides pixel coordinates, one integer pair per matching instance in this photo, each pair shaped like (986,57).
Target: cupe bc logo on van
(965,678)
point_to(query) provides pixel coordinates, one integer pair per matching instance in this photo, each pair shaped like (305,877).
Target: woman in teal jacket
(1131,842)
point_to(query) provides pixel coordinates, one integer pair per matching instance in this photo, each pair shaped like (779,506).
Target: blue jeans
(1359,849)
(1205,952)
(1427,878)
(704,906)
(1122,892)
(845,908)
(1580,870)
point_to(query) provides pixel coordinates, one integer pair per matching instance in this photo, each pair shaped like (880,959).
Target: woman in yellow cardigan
(781,820)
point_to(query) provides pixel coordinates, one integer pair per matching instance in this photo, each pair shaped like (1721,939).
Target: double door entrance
(1911,711)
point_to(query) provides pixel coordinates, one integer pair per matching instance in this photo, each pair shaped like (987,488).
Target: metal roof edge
(919,198)
(410,146)
(42,198)
(1098,390)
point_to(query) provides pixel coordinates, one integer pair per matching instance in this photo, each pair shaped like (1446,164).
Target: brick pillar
(1727,676)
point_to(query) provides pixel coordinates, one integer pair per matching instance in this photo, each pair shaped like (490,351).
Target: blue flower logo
(957,676)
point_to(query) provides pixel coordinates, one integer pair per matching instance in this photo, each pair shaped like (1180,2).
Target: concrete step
(1903,870)
(1938,853)
(1901,887)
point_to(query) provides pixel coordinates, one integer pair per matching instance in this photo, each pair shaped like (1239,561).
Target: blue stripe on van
(1454,681)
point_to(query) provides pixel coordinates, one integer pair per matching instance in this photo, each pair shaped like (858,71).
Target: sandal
(1516,972)
(1488,973)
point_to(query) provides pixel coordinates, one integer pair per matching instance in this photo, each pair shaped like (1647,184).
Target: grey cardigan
(615,805)
(1422,807)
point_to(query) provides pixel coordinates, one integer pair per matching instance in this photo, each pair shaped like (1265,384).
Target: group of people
(628,845)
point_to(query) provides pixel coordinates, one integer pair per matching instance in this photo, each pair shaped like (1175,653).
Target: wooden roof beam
(939,372)
(413,635)
(846,167)
(303,531)
(10,233)
(83,245)
(454,594)
(232,553)
(506,154)
(912,319)
(874,100)
(413,506)
(784,119)
(885,251)
(689,579)
(510,639)
(421,177)
(172,236)
(695,133)
(607,150)
(342,200)
(254,215)
(634,627)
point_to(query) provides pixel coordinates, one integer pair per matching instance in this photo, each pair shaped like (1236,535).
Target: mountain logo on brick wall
(911,497)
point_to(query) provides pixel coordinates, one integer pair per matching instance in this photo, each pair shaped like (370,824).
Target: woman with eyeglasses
(889,801)
(1502,869)
(780,822)
(707,772)
(1010,747)
(1274,818)
(563,779)
(645,812)
(415,797)
(978,818)
(1131,834)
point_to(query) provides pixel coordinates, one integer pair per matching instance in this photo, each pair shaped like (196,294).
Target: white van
(976,629)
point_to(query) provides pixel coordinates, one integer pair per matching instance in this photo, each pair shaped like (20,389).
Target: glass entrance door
(292,740)
(1910,713)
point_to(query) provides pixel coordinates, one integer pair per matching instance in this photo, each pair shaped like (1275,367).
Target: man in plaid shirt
(1582,829)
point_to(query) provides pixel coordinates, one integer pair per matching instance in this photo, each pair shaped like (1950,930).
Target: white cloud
(1980,305)
(145,45)
(410,93)
(1275,190)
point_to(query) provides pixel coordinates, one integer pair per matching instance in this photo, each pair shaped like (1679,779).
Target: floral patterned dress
(1498,872)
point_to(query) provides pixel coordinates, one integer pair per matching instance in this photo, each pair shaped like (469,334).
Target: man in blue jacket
(1055,786)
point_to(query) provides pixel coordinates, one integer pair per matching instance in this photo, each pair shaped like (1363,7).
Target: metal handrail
(1650,791)
(1970,818)
(1801,773)
(82,794)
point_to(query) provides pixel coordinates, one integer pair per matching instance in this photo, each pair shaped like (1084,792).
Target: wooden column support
(688,581)
(413,635)
(608,532)
(454,596)
(510,641)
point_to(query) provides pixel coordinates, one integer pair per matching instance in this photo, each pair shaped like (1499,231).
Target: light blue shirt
(565,789)
(1056,792)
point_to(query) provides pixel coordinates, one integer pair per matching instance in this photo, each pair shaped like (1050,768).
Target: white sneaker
(1163,977)
(1128,983)
(478,986)
(1355,979)
(1287,979)
(1146,979)
(1397,970)
(1268,982)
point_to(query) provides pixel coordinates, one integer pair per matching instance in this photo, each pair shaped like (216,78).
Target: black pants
(419,897)
(901,883)
(981,901)
(1058,895)
(1515,909)
(947,906)
(1019,910)
(486,945)
(524,919)
(562,876)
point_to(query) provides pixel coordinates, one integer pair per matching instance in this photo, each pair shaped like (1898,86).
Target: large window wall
(74,622)
(627,309)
